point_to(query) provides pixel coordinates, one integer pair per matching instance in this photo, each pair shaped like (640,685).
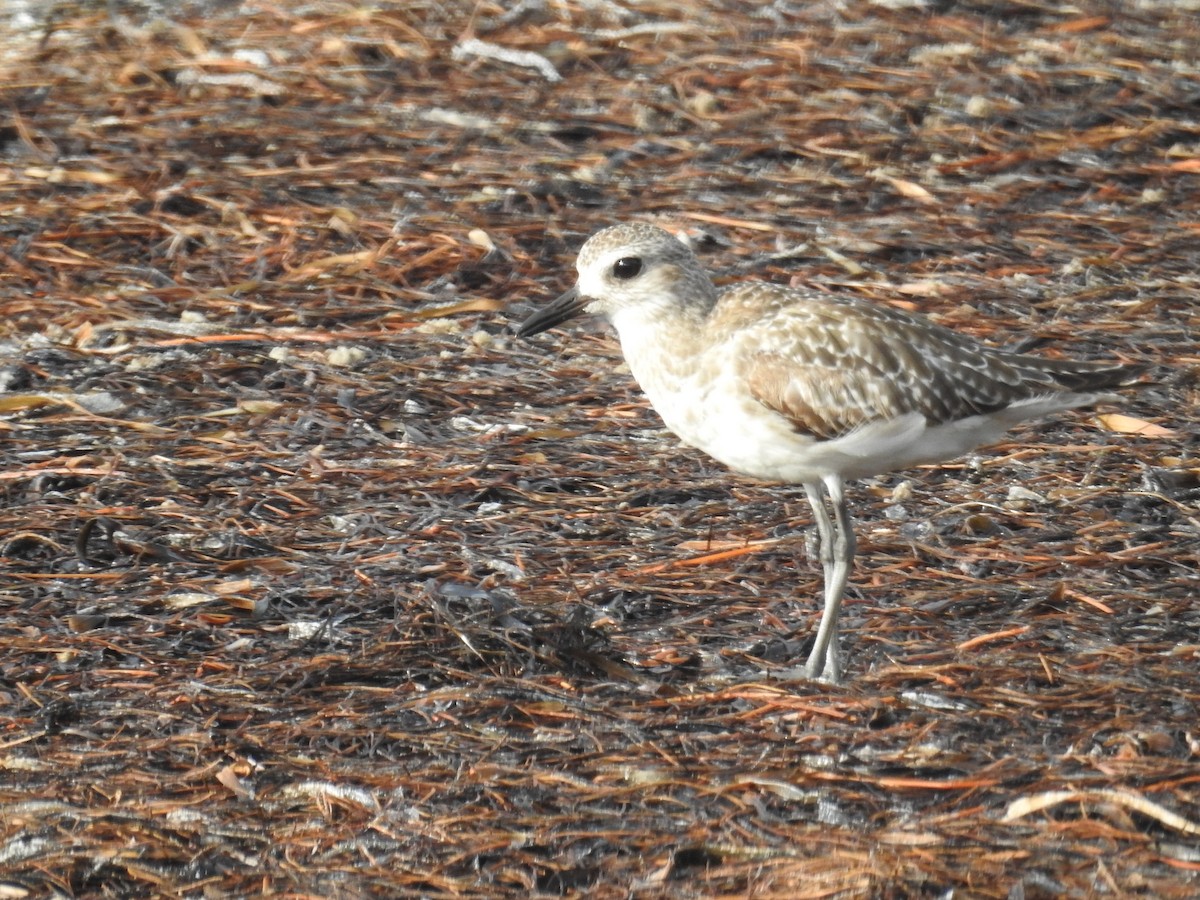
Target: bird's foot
(825,671)
(828,670)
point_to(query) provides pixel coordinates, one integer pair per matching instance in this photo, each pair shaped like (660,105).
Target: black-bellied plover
(795,386)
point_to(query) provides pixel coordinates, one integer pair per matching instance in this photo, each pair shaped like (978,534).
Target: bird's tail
(1086,376)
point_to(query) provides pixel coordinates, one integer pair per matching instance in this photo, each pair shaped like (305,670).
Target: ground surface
(315,583)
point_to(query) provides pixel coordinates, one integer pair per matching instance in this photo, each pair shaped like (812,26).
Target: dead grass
(318,584)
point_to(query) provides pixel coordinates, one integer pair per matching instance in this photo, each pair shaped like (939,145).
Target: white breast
(702,401)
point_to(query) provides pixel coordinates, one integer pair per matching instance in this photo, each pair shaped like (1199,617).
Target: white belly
(718,416)
(735,430)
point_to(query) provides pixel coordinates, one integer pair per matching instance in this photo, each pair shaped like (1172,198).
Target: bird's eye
(627,267)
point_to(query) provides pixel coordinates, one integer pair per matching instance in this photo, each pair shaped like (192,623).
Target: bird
(795,386)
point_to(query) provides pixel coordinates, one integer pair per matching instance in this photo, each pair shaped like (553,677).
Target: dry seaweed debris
(318,584)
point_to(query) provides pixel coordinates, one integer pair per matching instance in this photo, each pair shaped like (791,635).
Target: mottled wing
(821,401)
(830,365)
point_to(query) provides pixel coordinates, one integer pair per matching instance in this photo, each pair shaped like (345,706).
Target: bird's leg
(825,540)
(837,553)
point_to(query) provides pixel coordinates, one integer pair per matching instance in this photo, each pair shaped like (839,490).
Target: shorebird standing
(794,386)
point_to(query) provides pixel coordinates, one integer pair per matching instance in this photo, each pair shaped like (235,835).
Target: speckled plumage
(795,386)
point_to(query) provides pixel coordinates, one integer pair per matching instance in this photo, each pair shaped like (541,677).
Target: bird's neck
(650,331)
(663,346)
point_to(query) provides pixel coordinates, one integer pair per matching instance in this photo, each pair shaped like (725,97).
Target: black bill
(568,306)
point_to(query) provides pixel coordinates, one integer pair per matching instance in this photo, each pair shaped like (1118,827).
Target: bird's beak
(567,306)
